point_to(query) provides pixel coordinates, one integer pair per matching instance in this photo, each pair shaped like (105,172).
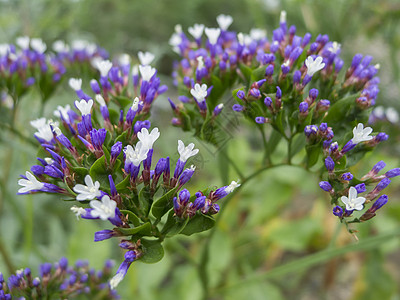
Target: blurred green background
(282,216)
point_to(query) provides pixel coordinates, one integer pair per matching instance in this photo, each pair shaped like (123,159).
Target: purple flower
(326,186)
(338,211)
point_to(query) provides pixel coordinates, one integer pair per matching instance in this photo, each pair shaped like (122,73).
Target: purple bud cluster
(59,280)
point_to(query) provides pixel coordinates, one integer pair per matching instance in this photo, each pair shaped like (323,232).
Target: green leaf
(174,225)
(131,217)
(298,143)
(80,173)
(160,206)
(274,140)
(122,138)
(123,101)
(145,200)
(99,172)
(122,187)
(198,223)
(152,251)
(144,229)
(216,92)
(338,110)
(313,152)
(246,71)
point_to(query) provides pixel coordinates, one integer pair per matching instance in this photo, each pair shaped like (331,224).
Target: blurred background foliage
(281,217)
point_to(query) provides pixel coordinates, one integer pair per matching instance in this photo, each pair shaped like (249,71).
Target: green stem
(233,164)
(6,258)
(315,259)
(202,266)
(267,155)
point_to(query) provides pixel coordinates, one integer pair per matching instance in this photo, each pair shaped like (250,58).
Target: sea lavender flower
(352,201)
(88,191)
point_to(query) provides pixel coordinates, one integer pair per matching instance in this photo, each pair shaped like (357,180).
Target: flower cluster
(104,160)
(59,280)
(29,63)
(341,182)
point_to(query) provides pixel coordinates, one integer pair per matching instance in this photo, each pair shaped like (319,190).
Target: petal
(352,194)
(345,200)
(82,197)
(181,146)
(88,181)
(80,188)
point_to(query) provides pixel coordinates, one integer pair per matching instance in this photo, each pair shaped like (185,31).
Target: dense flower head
(59,280)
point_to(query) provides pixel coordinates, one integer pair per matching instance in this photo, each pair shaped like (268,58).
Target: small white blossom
(377,66)
(392,115)
(282,18)
(178,28)
(23,42)
(4,49)
(91,48)
(79,45)
(379,112)
(200,62)
(78,211)
(136,155)
(44,129)
(99,98)
(361,134)
(224,21)
(124,59)
(88,191)
(135,70)
(334,48)
(199,92)
(314,66)
(196,31)
(145,58)
(62,112)
(186,152)
(232,186)
(147,138)
(84,107)
(75,83)
(353,202)
(29,184)
(258,34)
(104,67)
(147,72)
(135,104)
(60,46)
(48,160)
(38,45)
(212,35)
(244,39)
(103,209)
(174,41)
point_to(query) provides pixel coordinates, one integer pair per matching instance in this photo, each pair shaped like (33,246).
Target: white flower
(244,39)
(79,45)
(186,152)
(4,49)
(57,130)
(99,98)
(147,72)
(23,42)
(361,134)
(232,186)
(135,104)
(137,155)
(83,106)
(379,112)
(116,280)
(147,138)
(334,48)
(48,160)
(199,92)
(282,18)
(29,184)
(75,83)
(314,66)
(103,209)
(145,58)
(91,48)
(200,62)
(353,202)
(224,21)
(88,191)
(44,129)
(258,34)
(178,28)
(212,35)
(62,112)
(38,123)
(124,59)
(196,31)
(60,46)
(78,211)
(135,70)
(392,115)
(38,45)
(104,67)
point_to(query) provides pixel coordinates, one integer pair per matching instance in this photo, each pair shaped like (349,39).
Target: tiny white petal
(186,152)
(147,72)
(84,106)
(75,83)
(196,31)
(199,92)
(282,18)
(392,115)
(212,35)
(23,42)
(38,45)
(314,66)
(361,134)
(145,58)
(224,21)
(89,191)
(104,67)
